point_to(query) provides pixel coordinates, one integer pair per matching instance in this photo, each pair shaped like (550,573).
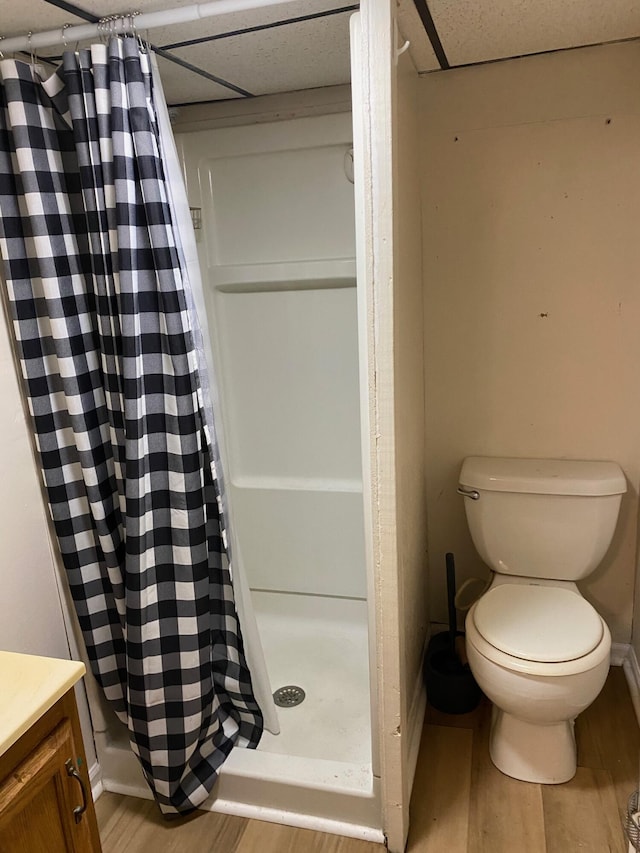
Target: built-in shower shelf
(284,275)
(302,484)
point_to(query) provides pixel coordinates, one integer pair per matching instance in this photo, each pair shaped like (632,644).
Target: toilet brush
(451,599)
(457,646)
(450,685)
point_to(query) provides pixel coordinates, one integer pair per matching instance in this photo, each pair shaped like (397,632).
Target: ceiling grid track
(480,62)
(446,40)
(260,27)
(94,19)
(432,33)
(164,51)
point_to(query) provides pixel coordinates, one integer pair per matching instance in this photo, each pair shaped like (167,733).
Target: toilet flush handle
(474,494)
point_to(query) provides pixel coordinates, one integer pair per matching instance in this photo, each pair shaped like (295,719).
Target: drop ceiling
(305,44)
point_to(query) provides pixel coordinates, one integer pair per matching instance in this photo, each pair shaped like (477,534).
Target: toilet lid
(538,623)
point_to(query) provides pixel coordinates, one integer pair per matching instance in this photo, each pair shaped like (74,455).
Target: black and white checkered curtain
(103,336)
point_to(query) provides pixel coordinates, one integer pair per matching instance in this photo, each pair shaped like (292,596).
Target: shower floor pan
(317,772)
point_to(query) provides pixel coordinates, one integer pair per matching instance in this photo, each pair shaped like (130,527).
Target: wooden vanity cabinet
(45,797)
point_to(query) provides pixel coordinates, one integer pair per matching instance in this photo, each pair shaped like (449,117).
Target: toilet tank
(541,518)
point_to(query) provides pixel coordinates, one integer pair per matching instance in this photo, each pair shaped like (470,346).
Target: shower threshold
(317,773)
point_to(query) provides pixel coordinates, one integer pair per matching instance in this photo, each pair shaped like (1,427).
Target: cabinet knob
(73,773)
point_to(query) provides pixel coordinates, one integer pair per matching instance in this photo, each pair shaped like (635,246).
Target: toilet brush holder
(450,684)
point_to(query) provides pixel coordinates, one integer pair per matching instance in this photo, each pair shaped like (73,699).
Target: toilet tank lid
(543,476)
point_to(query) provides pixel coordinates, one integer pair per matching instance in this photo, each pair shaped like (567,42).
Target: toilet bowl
(536,647)
(536,702)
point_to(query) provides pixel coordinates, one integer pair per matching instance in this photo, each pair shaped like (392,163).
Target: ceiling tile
(244,20)
(288,58)
(18,17)
(411,28)
(299,56)
(209,26)
(480,30)
(184,87)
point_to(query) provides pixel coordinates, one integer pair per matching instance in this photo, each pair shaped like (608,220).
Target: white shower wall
(277,256)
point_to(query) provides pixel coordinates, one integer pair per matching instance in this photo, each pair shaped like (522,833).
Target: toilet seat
(508,661)
(538,623)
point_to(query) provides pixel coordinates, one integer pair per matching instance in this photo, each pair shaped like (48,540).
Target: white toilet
(536,647)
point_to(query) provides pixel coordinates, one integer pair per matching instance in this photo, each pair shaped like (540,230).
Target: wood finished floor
(460,804)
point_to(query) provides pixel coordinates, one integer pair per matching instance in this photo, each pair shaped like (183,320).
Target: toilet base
(533,752)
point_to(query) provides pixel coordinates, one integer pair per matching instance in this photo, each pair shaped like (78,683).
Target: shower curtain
(104,326)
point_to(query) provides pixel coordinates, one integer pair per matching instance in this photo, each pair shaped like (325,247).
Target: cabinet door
(41,801)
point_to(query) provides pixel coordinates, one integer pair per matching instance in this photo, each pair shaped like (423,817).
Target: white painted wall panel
(531,202)
(31,612)
(387,149)
(409,398)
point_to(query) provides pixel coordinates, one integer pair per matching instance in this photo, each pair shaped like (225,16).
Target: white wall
(531,192)
(409,388)
(31,610)
(31,613)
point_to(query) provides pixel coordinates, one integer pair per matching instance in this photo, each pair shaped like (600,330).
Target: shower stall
(273,209)
(308,230)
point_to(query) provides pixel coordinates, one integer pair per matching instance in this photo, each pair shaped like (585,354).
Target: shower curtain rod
(130,23)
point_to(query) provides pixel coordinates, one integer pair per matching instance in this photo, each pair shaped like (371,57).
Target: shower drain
(287,697)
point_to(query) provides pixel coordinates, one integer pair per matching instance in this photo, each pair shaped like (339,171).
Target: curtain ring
(104,36)
(102,29)
(64,35)
(136,34)
(32,56)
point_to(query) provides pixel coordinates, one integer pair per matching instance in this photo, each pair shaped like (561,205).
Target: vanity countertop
(29,686)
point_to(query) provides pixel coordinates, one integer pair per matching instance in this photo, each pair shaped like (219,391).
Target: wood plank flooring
(129,825)
(460,804)
(503,815)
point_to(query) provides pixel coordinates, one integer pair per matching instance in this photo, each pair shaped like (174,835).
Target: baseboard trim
(631,670)
(619,653)
(417,711)
(95,780)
